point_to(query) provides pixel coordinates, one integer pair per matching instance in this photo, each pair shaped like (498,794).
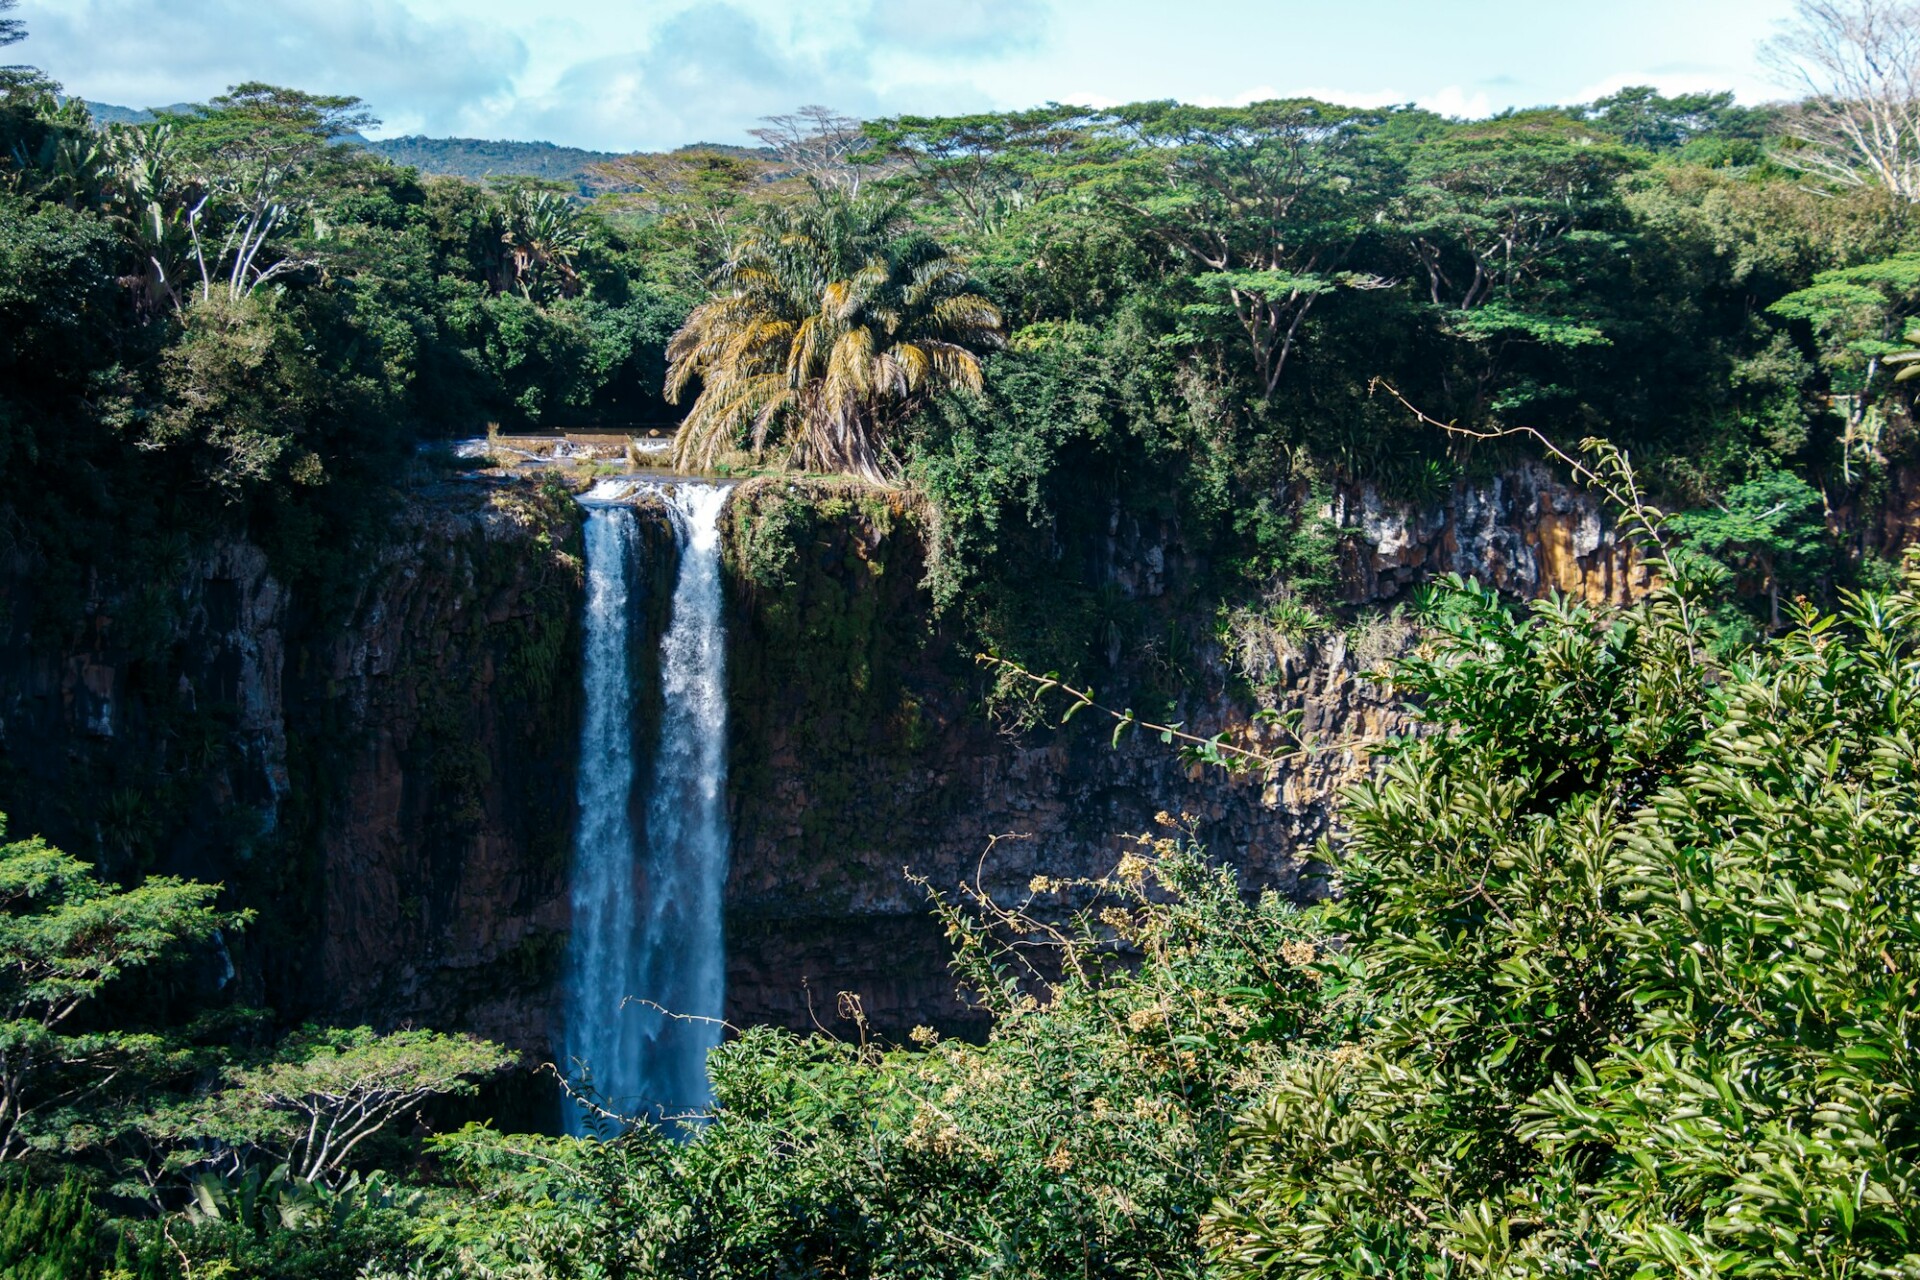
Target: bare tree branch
(1858,62)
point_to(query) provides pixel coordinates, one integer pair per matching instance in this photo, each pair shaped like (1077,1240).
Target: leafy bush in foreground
(1643,941)
(1083,1138)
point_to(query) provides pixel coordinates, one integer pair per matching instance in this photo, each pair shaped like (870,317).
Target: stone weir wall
(387,781)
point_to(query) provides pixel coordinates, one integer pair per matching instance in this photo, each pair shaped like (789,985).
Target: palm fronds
(830,328)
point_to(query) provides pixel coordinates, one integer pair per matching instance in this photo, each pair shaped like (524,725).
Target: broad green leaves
(1643,938)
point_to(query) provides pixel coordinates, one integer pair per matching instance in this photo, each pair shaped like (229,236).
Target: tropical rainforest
(1615,971)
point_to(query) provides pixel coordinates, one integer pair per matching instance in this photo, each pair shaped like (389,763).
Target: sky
(624,75)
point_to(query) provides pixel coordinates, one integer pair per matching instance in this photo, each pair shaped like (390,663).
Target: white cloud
(957,28)
(419,74)
(709,74)
(1457,102)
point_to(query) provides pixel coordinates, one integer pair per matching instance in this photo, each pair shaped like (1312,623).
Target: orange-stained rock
(1524,531)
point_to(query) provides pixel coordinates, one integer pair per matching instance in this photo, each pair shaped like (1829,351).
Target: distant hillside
(474,158)
(478,158)
(107,113)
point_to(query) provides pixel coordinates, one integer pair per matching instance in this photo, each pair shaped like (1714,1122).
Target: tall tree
(64,936)
(544,235)
(987,166)
(819,144)
(1641,116)
(702,198)
(831,327)
(258,154)
(1507,220)
(324,1091)
(1267,201)
(1859,63)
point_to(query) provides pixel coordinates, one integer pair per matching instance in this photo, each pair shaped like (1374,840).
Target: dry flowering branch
(1218,750)
(1611,473)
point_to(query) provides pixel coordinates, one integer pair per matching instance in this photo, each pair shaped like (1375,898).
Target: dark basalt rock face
(862,761)
(389,786)
(445,707)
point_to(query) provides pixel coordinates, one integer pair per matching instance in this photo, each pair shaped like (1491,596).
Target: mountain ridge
(473,158)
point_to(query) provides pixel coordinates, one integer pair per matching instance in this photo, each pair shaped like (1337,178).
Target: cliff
(390,779)
(442,714)
(862,757)
(389,783)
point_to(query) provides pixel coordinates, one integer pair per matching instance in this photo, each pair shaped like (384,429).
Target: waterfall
(601,946)
(646,982)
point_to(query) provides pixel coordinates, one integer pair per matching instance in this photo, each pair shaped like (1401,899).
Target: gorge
(479,783)
(1291,689)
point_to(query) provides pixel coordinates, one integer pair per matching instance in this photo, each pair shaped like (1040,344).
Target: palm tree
(151,201)
(544,234)
(830,329)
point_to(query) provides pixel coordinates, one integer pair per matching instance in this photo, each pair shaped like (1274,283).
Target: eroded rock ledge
(1524,531)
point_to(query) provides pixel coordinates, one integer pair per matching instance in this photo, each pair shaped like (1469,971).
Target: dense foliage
(1621,975)
(149,1100)
(1200,302)
(1639,937)
(64,937)
(227,321)
(1083,1138)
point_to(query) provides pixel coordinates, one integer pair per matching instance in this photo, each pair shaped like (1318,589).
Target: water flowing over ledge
(646,974)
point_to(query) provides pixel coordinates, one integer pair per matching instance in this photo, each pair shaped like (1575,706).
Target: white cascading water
(647,980)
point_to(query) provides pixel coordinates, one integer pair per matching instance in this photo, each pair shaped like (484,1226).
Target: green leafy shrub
(1640,934)
(1083,1137)
(64,938)
(48,1233)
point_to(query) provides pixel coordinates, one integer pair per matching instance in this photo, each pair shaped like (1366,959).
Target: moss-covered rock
(860,751)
